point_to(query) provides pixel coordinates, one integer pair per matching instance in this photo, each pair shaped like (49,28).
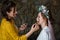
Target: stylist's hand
(34,27)
(23,27)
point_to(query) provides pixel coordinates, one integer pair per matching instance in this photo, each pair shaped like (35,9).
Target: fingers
(23,27)
(35,26)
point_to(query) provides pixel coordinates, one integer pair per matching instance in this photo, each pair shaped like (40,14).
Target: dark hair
(6,7)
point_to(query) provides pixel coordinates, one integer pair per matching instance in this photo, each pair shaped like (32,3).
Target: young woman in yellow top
(8,30)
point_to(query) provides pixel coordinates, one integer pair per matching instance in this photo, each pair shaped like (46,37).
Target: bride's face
(40,19)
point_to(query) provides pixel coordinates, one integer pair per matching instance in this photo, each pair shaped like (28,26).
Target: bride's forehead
(39,14)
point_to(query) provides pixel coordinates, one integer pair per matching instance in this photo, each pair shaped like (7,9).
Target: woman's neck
(43,25)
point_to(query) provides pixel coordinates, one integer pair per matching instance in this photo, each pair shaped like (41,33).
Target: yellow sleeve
(23,37)
(12,32)
(0,34)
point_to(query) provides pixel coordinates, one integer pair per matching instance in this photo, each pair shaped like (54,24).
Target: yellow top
(9,32)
